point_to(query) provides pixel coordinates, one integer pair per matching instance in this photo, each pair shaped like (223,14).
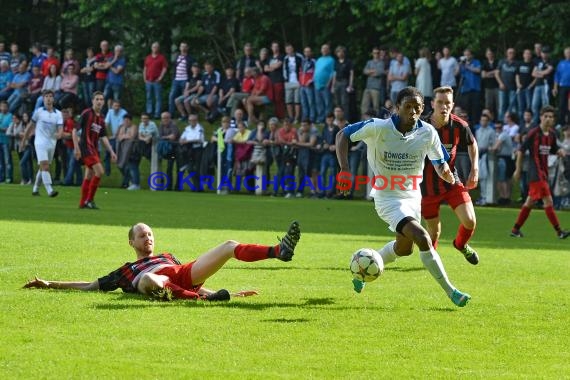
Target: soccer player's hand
(245,293)
(517,175)
(446,174)
(472,180)
(344,181)
(37,283)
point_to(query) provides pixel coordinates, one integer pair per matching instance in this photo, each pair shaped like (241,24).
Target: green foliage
(306,323)
(217,29)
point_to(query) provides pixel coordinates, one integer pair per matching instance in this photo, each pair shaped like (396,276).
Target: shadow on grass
(287,268)
(325,303)
(286,320)
(400,269)
(443,309)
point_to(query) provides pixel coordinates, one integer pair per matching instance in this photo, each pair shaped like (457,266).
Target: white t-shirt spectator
(423,80)
(448,66)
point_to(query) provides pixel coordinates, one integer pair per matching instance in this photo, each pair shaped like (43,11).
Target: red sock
(552,218)
(180,292)
(93,188)
(463,236)
(434,243)
(253,252)
(523,215)
(84,191)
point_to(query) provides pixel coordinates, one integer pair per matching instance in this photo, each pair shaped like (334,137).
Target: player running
(86,137)
(540,142)
(48,125)
(396,148)
(453,133)
(163,277)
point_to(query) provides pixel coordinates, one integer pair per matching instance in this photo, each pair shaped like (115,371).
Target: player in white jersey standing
(396,149)
(48,124)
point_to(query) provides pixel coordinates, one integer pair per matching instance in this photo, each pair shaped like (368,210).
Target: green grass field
(306,323)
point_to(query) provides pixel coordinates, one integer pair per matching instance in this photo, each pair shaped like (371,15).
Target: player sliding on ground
(397,147)
(164,277)
(453,133)
(540,142)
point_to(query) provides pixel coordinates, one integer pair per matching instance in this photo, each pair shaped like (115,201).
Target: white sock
(46,178)
(387,253)
(433,264)
(38,181)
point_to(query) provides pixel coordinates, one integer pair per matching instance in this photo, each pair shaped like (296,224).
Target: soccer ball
(366,265)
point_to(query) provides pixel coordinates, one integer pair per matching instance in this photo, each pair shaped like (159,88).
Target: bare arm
(162,73)
(473,151)
(109,148)
(444,172)
(518,166)
(79,285)
(28,131)
(76,150)
(498,78)
(342,151)
(59,133)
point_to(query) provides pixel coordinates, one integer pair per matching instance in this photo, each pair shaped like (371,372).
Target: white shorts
(45,152)
(392,211)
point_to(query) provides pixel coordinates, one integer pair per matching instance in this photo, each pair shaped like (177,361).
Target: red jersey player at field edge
(540,142)
(90,129)
(453,132)
(163,277)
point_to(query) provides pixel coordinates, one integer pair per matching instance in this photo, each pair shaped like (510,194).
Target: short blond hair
(443,90)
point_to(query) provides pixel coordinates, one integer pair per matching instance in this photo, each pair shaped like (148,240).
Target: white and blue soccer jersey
(397,159)
(47,124)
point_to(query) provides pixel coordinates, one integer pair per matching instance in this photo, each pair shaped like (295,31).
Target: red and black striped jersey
(126,277)
(453,135)
(539,145)
(91,127)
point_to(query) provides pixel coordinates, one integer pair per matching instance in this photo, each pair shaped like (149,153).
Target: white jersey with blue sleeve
(397,159)
(47,124)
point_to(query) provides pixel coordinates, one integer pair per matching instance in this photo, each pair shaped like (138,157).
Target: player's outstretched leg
(210,262)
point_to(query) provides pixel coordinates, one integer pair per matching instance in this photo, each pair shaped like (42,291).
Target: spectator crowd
(278,111)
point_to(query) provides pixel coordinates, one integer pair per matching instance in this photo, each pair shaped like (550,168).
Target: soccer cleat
(91,205)
(517,233)
(220,295)
(36,193)
(53,194)
(288,243)
(358,285)
(460,299)
(469,253)
(563,234)
(162,294)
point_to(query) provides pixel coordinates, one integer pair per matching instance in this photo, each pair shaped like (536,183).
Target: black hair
(408,92)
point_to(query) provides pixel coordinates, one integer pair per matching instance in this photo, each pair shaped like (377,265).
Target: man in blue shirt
(38,57)
(113,120)
(324,70)
(5,79)
(115,78)
(562,87)
(5,155)
(470,85)
(20,85)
